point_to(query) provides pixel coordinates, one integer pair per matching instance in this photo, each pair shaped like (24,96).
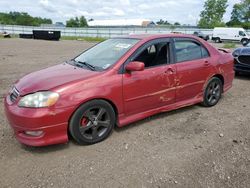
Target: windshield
(106,53)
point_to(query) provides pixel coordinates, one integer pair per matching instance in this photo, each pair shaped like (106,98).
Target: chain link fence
(105,32)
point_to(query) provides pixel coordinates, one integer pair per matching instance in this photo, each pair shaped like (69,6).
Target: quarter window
(204,52)
(189,50)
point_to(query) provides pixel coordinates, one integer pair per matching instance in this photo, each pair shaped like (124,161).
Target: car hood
(245,51)
(52,77)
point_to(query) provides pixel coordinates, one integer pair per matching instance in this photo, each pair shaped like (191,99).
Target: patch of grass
(88,39)
(229,45)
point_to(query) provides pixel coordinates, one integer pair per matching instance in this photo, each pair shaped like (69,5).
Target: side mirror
(135,66)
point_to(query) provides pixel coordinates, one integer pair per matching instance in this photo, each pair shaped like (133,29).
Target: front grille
(14,94)
(244,59)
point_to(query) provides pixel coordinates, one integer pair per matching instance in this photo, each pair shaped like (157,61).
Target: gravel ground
(189,147)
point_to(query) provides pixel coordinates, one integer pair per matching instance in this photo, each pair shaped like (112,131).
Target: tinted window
(189,50)
(154,55)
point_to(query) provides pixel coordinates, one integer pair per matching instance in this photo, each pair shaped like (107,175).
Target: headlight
(236,52)
(39,99)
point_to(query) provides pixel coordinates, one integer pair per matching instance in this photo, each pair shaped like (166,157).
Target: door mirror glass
(135,66)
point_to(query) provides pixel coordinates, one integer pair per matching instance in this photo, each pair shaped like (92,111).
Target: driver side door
(155,85)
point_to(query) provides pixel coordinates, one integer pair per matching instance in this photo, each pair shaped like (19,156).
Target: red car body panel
(134,95)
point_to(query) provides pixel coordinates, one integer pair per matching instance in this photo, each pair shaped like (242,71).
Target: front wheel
(212,93)
(244,42)
(92,122)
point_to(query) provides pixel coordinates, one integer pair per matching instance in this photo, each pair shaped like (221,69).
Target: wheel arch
(220,77)
(92,99)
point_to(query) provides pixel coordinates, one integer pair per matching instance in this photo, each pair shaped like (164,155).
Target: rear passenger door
(193,67)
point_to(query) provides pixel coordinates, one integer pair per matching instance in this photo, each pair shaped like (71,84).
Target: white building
(121,22)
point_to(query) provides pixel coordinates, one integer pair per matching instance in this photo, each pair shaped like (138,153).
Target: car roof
(156,36)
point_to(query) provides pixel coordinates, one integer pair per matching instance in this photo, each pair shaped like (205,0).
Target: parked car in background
(242,59)
(116,82)
(5,34)
(221,34)
(201,35)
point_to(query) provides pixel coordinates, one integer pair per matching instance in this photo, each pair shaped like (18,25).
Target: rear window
(189,50)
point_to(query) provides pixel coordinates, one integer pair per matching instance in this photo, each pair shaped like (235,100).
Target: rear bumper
(52,123)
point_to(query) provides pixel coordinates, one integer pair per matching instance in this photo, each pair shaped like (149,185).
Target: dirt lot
(190,147)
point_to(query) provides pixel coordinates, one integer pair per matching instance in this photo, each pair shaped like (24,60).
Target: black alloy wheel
(92,122)
(212,92)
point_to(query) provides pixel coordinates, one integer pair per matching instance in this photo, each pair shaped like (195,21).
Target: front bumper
(241,68)
(52,122)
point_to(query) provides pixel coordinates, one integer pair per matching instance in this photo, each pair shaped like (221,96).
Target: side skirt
(125,120)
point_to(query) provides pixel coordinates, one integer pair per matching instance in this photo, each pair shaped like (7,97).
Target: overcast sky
(183,11)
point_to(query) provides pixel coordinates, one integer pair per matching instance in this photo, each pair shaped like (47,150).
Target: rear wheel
(212,92)
(217,40)
(92,122)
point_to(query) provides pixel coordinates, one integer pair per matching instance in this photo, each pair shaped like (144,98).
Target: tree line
(22,18)
(214,10)
(212,15)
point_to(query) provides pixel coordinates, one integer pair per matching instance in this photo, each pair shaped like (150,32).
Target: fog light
(34,133)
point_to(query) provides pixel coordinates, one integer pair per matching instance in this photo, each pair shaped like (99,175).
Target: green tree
(240,15)
(160,22)
(72,22)
(22,18)
(212,14)
(77,22)
(177,23)
(167,23)
(83,22)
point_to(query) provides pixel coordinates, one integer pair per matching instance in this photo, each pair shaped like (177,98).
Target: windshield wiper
(91,67)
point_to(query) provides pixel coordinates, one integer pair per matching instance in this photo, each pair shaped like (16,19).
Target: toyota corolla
(115,83)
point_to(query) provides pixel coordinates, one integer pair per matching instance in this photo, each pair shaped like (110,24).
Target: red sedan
(116,82)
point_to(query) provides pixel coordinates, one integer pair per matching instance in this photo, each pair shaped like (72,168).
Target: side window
(189,50)
(204,52)
(241,33)
(154,55)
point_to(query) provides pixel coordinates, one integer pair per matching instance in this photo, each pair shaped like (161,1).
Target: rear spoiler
(225,50)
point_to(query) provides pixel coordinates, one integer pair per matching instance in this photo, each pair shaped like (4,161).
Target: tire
(244,42)
(213,92)
(217,40)
(92,122)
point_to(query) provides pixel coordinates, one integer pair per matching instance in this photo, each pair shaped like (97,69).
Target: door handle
(206,63)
